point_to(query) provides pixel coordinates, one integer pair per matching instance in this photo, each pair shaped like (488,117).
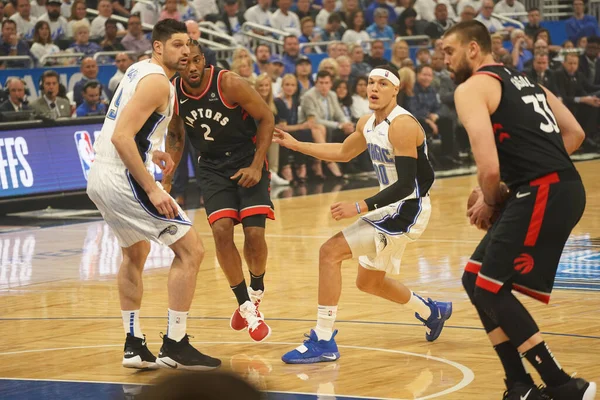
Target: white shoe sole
(168,363)
(590,393)
(137,363)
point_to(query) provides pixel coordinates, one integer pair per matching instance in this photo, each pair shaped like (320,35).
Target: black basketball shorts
(524,246)
(224,198)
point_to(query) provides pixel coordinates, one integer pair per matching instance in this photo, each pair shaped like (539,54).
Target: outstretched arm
(352,146)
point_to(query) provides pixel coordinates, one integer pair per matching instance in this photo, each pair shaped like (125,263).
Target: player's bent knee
(137,253)
(254,237)
(468,281)
(222,230)
(367,285)
(331,251)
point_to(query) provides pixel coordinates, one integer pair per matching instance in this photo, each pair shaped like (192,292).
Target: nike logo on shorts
(521,195)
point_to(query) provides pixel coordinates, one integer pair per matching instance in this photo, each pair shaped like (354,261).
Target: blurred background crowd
(308,59)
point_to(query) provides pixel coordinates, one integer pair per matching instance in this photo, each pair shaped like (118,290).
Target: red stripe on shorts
(539,209)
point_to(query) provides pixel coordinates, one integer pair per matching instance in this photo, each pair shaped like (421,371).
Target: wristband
(357,207)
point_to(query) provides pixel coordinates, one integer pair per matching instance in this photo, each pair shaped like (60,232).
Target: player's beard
(196,85)
(463,71)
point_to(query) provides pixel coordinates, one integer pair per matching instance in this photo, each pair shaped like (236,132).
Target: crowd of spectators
(319,104)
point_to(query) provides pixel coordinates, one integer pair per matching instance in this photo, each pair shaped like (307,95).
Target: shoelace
(252,318)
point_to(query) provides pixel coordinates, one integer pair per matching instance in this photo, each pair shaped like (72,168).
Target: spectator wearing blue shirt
(89,70)
(10,45)
(370,12)
(82,44)
(380,28)
(91,100)
(580,24)
(291,52)
(520,55)
(333,30)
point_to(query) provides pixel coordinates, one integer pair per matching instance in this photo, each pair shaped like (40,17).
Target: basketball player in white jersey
(395,216)
(136,207)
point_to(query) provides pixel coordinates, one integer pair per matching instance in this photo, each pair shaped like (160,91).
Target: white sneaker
(276,180)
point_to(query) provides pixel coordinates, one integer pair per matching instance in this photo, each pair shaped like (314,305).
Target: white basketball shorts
(378,238)
(125,207)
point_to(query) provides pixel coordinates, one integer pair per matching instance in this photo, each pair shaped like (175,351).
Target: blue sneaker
(313,350)
(440,313)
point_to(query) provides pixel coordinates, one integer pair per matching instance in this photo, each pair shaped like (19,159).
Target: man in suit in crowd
(49,105)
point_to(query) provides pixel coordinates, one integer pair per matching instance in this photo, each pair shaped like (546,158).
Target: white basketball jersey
(152,134)
(381,151)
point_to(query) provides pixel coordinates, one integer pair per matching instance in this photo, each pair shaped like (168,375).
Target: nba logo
(83,142)
(387,73)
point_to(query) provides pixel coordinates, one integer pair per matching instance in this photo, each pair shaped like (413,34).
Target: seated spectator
(406,90)
(359,66)
(356,32)
(149,12)
(408,63)
(331,66)
(170,11)
(376,57)
(343,49)
(581,97)
(42,43)
(380,28)
(589,63)
(370,12)
(111,42)
(284,19)
(581,24)
(540,46)
(105,11)
(259,13)
(468,13)
(24,20)
(540,73)
(288,109)
(309,35)
(78,13)
(123,62)
(264,89)
(474,4)
(425,106)
(276,71)
(344,97)
(135,40)
(303,9)
(332,49)
(498,49)
(82,40)
(58,24)
(205,8)
(323,15)
(333,30)
(11,45)
(193,30)
(291,52)
(544,34)
(399,53)
(187,11)
(16,96)
(91,100)
(426,9)
(262,54)
(439,69)
(344,68)
(440,24)
(533,21)
(511,9)
(423,56)
(360,101)
(320,107)
(520,54)
(49,104)
(405,25)
(89,70)
(304,75)
(38,8)
(244,67)
(492,24)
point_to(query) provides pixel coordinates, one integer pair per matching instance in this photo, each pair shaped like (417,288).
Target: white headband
(384,73)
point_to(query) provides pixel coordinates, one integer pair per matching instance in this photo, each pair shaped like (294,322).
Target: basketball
(473,197)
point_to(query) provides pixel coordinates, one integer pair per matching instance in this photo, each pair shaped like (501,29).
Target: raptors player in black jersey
(521,134)
(218,110)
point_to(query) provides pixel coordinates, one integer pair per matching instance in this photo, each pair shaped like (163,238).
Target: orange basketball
(473,197)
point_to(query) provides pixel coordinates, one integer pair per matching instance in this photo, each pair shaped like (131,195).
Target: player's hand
(163,202)
(284,139)
(480,214)
(248,177)
(164,161)
(343,210)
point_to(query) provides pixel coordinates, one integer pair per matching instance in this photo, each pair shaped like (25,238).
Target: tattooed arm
(174,146)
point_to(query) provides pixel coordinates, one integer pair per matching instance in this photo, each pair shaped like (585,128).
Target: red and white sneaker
(257,327)
(237,322)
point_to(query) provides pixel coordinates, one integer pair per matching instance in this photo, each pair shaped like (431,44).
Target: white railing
(251,26)
(55,56)
(118,18)
(509,20)
(17,58)
(214,32)
(413,38)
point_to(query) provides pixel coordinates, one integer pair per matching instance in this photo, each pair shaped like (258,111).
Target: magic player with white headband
(387,221)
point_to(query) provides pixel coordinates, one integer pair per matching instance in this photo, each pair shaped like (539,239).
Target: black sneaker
(183,355)
(137,355)
(524,391)
(575,389)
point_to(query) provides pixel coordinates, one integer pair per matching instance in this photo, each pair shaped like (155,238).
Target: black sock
(543,361)
(513,366)
(241,292)
(256,282)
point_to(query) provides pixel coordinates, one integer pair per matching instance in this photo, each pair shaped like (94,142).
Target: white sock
(325,319)
(177,325)
(418,305)
(131,323)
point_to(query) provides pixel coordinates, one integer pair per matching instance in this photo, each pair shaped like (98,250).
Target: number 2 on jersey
(540,106)
(207,132)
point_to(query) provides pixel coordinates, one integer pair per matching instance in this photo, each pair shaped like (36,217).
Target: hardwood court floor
(60,317)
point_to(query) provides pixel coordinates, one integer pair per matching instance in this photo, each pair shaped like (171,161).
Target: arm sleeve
(405,185)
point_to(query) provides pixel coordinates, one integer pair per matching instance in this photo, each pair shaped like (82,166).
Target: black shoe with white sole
(136,354)
(182,355)
(575,389)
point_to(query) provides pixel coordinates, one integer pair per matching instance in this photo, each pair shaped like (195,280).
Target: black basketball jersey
(526,132)
(213,126)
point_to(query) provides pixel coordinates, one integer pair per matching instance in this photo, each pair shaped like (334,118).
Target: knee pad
(258,221)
